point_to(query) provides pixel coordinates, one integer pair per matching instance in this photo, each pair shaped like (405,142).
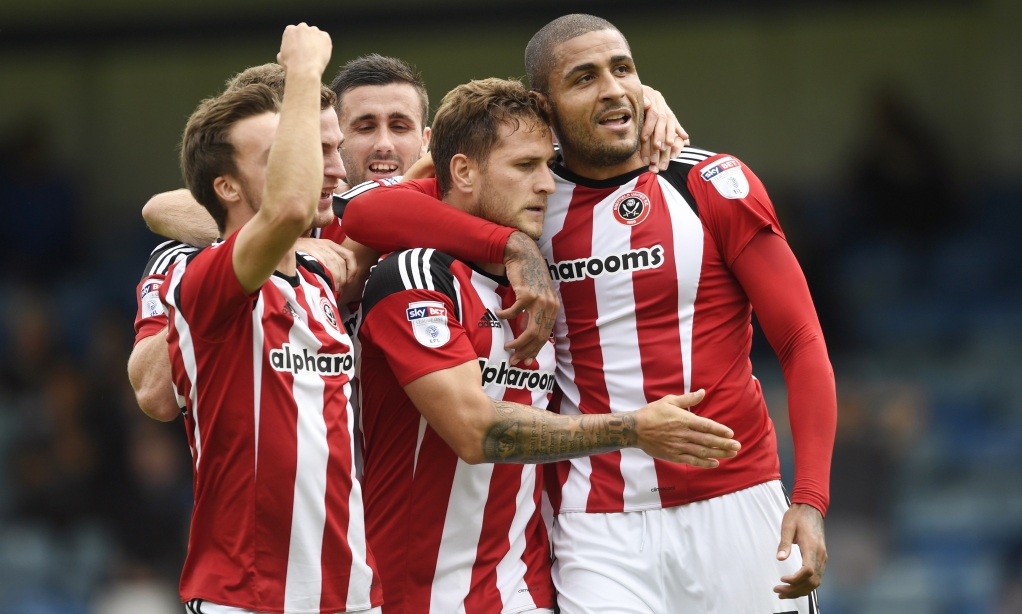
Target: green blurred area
(789,91)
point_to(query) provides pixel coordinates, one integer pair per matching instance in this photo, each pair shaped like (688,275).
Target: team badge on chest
(429,323)
(328,311)
(631,208)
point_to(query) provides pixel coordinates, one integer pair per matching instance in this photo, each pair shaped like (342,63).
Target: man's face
(252,138)
(596,98)
(383,131)
(333,167)
(516,179)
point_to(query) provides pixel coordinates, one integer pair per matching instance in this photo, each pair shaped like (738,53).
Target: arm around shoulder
(177,215)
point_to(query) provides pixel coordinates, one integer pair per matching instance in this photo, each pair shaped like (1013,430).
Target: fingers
(512,312)
(803,574)
(527,345)
(799,584)
(349,261)
(686,400)
(695,461)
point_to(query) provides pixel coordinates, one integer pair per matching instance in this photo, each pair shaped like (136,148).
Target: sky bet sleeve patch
(727,176)
(429,323)
(149,298)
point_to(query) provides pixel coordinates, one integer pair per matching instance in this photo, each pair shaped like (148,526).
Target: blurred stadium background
(889,134)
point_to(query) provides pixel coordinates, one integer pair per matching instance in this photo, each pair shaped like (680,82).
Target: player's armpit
(177,215)
(150,377)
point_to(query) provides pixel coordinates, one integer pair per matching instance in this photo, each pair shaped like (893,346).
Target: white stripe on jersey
(485,288)
(511,569)
(402,268)
(463,525)
(688,249)
(304,579)
(576,488)
(187,349)
(427,274)
(619,337)
(418,443)
(702,152)
(361,577)
(257,371)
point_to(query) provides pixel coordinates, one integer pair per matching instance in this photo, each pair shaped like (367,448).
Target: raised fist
(304,48)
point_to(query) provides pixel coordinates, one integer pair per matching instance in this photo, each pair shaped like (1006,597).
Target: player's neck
(467,203)
(583,168)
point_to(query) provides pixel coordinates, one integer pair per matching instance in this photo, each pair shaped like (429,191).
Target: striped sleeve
(150,316)
(411,314)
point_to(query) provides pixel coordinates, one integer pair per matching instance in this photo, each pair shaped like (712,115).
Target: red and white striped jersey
(449,536)
(651,308)
(278,522)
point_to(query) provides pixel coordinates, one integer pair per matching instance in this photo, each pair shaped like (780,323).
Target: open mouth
(383,168)
(616,119)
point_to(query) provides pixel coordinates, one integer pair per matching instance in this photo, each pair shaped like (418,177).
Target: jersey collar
(613,182)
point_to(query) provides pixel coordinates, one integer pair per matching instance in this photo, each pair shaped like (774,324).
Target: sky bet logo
(426,311)
(287,359)
(720,167)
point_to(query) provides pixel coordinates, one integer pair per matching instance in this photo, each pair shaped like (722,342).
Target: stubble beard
(498,210)
(578,139)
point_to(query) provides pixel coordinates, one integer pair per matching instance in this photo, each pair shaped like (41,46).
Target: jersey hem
(344,610)
(645,508)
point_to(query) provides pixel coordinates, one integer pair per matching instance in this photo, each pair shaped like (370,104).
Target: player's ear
(543,102)
(463,173)
(227,189)
(426,133)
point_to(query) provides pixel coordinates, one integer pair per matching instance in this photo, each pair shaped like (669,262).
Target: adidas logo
(489,320)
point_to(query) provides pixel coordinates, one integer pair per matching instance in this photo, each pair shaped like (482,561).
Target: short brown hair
(469,119)
(272,76)
(539,53)
(376,69)
(206,148)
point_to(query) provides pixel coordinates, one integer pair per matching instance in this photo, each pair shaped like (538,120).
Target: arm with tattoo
(482,430)
(524,434)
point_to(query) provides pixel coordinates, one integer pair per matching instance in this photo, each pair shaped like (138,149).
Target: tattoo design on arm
(523,434)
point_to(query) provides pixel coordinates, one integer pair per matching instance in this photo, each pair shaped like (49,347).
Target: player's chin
(323,218)
(531,223)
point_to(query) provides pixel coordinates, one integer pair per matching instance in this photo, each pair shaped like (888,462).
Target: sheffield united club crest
(631,208)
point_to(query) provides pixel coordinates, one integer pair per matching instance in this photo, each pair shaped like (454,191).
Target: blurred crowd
(914,273)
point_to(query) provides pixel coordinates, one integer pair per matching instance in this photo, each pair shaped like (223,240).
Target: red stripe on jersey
(438,461)
(277,465)
(501,504)
(556,474)
(656,315)
(579,303)
(537,554)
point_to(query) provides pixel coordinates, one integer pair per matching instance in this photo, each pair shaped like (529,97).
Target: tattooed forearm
(533,268)
(523,434)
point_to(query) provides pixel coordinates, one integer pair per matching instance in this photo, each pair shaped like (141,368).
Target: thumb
(787,537)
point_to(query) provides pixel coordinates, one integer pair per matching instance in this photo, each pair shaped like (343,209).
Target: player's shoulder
(341,200)
(309,263)
(166,254)
(695,170)
(410,269)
